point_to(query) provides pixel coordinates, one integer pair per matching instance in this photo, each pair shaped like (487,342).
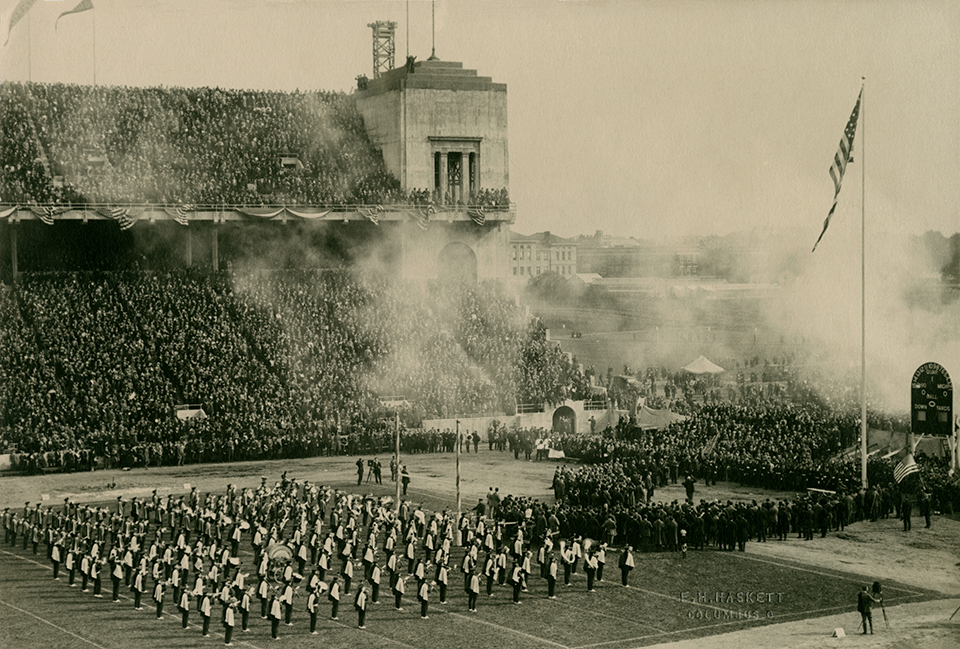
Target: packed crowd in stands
(286,364)
(68,144)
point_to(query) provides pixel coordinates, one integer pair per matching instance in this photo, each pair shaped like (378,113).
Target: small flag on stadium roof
(18,12)
(840,160)
(85,5)
(906,466)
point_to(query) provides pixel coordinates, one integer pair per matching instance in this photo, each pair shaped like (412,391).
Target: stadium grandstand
(289,347)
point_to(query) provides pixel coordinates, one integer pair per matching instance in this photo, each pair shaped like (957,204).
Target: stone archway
(565,420)
(457,262)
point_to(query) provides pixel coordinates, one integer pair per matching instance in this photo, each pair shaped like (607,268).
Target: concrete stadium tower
(443,131)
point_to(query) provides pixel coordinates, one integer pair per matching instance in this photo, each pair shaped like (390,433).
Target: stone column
(13,249)
(475,172)
(214,249)
(189,258)
(444,175)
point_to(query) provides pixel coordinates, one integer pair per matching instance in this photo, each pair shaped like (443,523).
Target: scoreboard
(931,401)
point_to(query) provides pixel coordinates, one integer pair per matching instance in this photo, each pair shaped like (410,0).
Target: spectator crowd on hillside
(285,364)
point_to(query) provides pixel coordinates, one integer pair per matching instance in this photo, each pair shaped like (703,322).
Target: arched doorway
(458,263)
(565,420)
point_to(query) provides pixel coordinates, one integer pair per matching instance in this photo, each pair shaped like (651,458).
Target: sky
(652,119)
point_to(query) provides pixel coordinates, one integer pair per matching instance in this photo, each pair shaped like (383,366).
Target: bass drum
(279,554)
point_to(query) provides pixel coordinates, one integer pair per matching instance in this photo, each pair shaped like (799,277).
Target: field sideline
(670,599)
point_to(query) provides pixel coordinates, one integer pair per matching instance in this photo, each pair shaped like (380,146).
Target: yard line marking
(505,628)
(674,598)
(387,638)
(712,626)
(613,617)
(59,628)
(816,572)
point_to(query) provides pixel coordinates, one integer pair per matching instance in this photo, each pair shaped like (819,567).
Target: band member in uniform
(138,588)
(442,581)
(71,565)
(375,584)
(312,606)
(360,603)
(117,576)
(423,594)
(55,558)
(516,579)
(158,591)
(347,573)
(245,602)
(334,597)
(229,621)
(473,592)
(206,609)
(287,598)
(276,614)
(84,572)
(626,565)
(551,576)
(96,567)
(263,590)
(566,556)
(398,589)
(184,605)
(590,567)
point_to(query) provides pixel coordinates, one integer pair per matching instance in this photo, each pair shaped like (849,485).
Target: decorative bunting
(46,213)
(477,215)
(179,213)
(372,214)
(126,217)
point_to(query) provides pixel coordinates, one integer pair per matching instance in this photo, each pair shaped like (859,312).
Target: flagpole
(458,481)
(94,46)
(29,48)
(396,504)
(863,291)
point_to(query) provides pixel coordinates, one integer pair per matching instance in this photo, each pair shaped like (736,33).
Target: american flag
(708,448)
(906,466)
(840,160)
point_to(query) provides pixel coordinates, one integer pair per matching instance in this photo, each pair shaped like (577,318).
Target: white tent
(703,366)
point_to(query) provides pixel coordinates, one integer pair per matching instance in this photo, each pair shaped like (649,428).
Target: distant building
(542,253)
(628,257)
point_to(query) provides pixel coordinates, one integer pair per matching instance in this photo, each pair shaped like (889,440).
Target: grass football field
(670,598)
